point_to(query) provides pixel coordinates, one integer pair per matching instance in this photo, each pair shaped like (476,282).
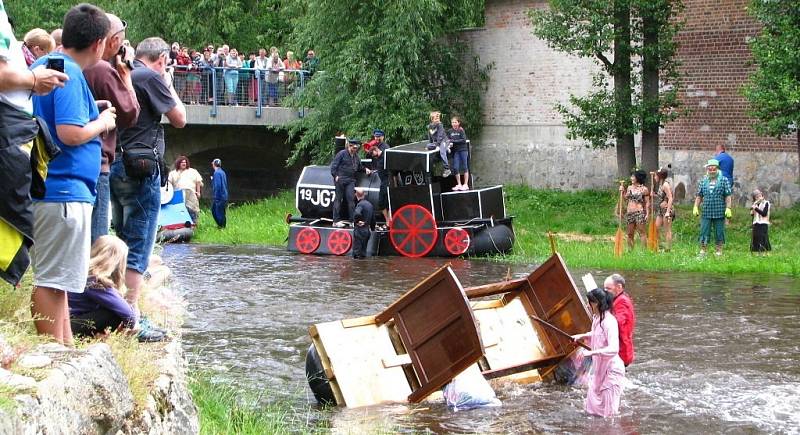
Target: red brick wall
(715,64)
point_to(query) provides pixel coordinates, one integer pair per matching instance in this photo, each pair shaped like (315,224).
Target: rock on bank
(83,391)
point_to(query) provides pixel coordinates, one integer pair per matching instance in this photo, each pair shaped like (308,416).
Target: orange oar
(618,239)
(652,233)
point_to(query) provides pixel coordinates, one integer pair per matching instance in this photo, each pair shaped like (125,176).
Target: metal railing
(247,87)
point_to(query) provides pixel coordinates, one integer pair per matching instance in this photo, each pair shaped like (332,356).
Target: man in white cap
(714,193)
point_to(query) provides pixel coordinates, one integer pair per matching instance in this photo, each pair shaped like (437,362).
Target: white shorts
(62,241)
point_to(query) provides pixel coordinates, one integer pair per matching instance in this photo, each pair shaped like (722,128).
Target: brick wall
(528,78)
(715,61)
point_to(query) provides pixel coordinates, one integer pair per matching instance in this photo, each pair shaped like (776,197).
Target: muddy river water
(714,353)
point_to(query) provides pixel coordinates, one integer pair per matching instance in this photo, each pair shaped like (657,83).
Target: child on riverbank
(760,212)
(101,306)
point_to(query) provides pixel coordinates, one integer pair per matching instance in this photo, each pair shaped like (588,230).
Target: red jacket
(626,318)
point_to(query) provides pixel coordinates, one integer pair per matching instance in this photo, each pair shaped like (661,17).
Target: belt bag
(140,160)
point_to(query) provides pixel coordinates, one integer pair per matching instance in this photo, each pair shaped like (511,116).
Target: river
(714,353)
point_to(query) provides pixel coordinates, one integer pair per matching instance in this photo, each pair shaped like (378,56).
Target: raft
(175,225)
(438,329)
(428,217)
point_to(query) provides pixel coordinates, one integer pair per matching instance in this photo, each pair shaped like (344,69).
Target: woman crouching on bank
(608,370)
(638,196)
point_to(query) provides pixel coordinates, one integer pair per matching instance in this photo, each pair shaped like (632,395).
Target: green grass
(225,409)
(261,222)
(584,222)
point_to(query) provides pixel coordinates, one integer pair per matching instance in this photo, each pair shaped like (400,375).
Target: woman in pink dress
(608,371)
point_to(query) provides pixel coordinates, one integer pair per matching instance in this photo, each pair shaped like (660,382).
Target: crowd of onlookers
(223,75)
(81,139)
(228,77)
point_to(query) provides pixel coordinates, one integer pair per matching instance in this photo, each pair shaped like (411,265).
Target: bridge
(242,128)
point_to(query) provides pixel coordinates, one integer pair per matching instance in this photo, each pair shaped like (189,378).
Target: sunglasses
(124,26)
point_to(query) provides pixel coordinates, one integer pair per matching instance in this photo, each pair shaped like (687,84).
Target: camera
(123,54)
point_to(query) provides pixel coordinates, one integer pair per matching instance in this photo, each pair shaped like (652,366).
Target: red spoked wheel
(456,241)
(339,242)
(413,232)
(307,240)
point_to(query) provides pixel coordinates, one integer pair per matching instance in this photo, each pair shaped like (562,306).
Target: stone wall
(524,140)
(85,392)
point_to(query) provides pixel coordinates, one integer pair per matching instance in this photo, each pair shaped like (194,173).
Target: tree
(774,88)
(639,35)
(384,64)
(244,24)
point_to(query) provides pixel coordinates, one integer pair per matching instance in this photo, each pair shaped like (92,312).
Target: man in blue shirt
(219,183)
(62,218)
(725,163)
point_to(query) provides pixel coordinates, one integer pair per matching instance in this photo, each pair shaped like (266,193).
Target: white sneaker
(457,188)
(339,224)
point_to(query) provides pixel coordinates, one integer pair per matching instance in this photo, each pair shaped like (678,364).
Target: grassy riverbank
(585,228)
(225,409)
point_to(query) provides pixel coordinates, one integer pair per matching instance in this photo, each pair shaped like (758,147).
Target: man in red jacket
(625,314)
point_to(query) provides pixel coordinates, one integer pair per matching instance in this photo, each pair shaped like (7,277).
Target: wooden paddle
(618,239)
(652,233)
(557,329)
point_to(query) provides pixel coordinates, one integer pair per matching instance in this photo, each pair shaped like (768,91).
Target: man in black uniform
(378,157)
(346,164)
(363,223)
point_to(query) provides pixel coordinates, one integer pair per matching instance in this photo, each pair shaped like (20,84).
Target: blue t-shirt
(72,175)
(726,165)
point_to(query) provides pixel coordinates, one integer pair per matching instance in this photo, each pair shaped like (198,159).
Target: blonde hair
(109,258)
(435,114)
(40,38)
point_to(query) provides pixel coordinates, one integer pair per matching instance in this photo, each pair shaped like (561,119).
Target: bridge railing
(248,87)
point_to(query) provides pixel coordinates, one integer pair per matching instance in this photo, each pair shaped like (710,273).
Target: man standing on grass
(219,183)
(62,219)
(625,314)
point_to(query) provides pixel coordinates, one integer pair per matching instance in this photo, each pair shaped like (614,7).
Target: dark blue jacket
(345,165)
(220,185)
(364,212)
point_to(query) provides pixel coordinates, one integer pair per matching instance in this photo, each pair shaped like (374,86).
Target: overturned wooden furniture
(515,345)
(438,329)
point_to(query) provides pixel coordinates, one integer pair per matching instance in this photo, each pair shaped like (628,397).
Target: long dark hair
(603,299)
(182,159)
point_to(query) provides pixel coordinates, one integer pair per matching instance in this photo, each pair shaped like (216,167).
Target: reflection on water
(713,352)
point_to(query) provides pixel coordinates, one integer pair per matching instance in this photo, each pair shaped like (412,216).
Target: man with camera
(136,178)
(62,218)
(110,80)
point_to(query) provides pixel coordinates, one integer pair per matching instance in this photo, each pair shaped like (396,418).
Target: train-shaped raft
(428,218)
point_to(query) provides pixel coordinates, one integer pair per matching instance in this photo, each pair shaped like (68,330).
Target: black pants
(360,240)
(89,324)
(345,191)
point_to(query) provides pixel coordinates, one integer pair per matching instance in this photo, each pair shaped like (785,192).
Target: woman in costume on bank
(608,370)
(638,197)
(666,211)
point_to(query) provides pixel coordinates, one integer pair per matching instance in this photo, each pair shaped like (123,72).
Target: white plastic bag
(470,390)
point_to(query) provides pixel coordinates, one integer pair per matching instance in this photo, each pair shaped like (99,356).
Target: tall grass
(259,222)
(225,409)
(585,224)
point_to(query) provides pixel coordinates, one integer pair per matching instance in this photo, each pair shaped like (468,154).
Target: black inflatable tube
(175,236)
(319,383)
(498,239)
